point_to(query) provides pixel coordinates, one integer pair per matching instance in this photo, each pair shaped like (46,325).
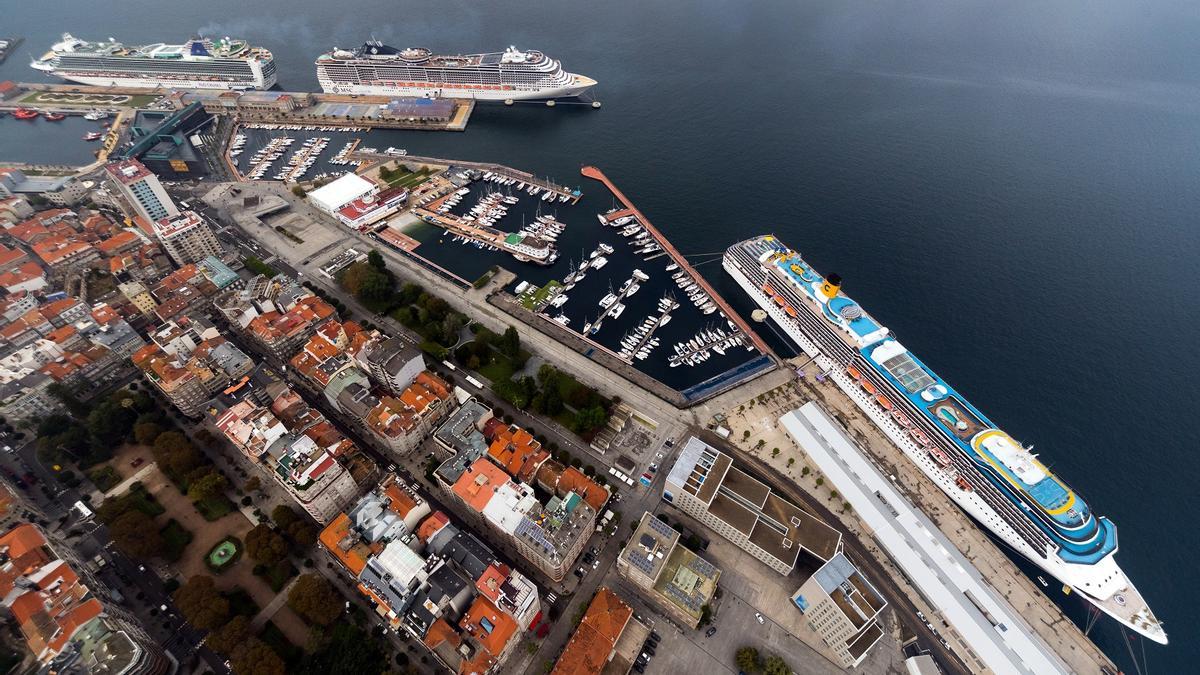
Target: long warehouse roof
(950,582)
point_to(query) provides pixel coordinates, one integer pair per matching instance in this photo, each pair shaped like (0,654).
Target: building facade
(705,485)
(843,608)
(142,190)
(187,238)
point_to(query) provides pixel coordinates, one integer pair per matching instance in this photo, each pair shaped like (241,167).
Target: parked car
(759,618)
(710,632)
(656,637)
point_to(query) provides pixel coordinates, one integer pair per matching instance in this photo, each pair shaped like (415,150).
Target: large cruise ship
(378,69)
(199,63)
(993,477)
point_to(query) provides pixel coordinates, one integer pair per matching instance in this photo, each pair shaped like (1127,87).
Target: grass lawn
(499,370)
(143,501)
(104,478)
(533,299)
(409,179)
(290,653)
(176,539)
(88,100)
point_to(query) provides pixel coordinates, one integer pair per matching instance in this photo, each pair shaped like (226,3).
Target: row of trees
(749,661)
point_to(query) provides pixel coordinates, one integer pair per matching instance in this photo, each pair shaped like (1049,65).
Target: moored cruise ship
(199,63)
(993,477)
(377,69)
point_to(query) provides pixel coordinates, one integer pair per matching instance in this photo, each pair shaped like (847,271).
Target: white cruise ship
(990,475)
(377,69)
(199,63)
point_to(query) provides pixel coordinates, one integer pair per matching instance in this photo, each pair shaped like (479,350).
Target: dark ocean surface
(1010,187)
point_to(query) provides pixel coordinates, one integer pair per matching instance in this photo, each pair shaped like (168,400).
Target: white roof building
(340,192)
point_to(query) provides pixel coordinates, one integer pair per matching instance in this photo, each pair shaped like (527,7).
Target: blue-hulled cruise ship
(992,476)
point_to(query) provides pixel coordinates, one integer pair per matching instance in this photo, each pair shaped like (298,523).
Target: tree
(227,638)
(201,604)
(374,259)
(791,461)
(775,665)
(135,533)
(303,533)
(747,659)
(510,345)
(209,486)
(253,484)
(110,422)
(746,435)
(774,452)
(314,598)
(299,191)
(349,651)
(264,545)
(256,657)
(590,419)
(146,432)
(284,515)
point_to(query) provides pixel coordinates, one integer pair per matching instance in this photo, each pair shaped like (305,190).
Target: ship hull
(572,90)
(1078,577)
(153,83)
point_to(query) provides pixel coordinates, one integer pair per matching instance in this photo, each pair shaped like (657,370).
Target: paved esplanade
(1006,643)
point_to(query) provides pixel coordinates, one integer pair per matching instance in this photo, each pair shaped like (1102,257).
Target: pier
(664,311)
(629,209)
(270,107)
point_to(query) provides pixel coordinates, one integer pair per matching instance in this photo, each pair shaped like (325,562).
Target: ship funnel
(833,283)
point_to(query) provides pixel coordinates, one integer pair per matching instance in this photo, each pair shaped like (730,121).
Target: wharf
(663,313)
(596,174)
(572,196)
(629,290)
(269,107)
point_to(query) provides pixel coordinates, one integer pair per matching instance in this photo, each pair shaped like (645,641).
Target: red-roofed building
(592,645)
(11,258)
(121,242)
(62,252)
(404,422)
(51,606)
(28,277)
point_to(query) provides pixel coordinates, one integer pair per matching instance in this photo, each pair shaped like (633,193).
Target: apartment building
(704,484)
(675,579)
(142,190)
(187,238)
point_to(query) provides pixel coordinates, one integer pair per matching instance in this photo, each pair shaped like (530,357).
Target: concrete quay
(759,416)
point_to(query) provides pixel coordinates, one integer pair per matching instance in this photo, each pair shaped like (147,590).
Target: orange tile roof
(351,553)
(503,625)
(117,242)
(25,272)
(399,501)
(10,256)
(588,649)
(104,314)
(479,482)
(431,525)
(29,231)
(58,249)
(574,480)
(439,632)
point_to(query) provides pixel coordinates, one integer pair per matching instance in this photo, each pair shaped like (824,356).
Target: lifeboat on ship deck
(919,436)
(868,387)
(883,402)
(853,372)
